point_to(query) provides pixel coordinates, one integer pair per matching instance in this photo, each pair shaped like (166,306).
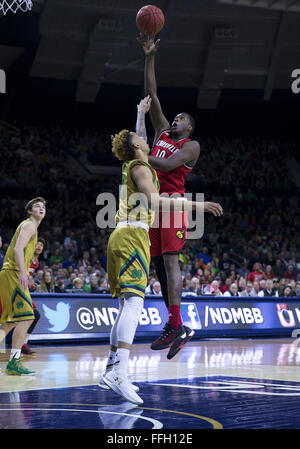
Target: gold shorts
(16,305)
(128,260)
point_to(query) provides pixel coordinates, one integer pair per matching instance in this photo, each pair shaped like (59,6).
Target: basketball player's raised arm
(188,154)
(142,109)
(27,232)
(143,179)
(158,120)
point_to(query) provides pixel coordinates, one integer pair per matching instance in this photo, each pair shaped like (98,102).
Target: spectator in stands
(57,257)
(215,291)
(224,263)
(278,269)
(247,291)
(70,262)
(232,291)
(287,292)
(226,286)
(276,288)
(47,283)
(156,288)
(297,290)
(194,287)
(104,287)
(262,284)
(268,273)
(38,276)
(60,285)
(256,273)
(268,290)
(69,283)
(243,271)
(204,255)
(292,284)
(255,288)
(241,284)
(290,273)
(77,285)
(93,286)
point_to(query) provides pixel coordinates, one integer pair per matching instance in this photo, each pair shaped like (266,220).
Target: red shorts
(168,233)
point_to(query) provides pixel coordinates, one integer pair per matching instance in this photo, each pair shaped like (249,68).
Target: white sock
(26,339)
(15,354)
(123,356)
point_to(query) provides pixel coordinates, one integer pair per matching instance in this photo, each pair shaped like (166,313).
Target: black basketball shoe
(168,337)
(180,342)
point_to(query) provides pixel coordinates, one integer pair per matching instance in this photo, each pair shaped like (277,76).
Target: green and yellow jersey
(133,204)
(10,261)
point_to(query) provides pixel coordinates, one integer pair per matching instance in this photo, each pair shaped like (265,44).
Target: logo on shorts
(20,304)
(180,234)
(136,274)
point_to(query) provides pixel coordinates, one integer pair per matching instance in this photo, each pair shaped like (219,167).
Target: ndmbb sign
(77,316)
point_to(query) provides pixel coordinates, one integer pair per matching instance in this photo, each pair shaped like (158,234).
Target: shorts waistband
(135,224)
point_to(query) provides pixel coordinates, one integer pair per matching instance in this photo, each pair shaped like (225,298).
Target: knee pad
(129,318)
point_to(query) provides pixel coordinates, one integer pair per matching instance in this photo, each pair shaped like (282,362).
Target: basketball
(150,20)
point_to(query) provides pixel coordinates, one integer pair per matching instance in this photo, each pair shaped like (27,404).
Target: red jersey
(33,266)
(174,180)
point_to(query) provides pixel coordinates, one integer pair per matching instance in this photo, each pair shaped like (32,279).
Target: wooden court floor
(210,384)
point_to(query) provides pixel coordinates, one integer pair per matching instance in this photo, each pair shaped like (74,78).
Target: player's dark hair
(192,122)
(41,240)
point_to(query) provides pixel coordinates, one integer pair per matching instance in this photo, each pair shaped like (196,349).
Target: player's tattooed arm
(142,109)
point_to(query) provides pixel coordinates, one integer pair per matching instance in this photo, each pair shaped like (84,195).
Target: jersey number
(161,153)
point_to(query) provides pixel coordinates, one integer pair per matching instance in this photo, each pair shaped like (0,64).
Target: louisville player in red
(173,156)
(26,349)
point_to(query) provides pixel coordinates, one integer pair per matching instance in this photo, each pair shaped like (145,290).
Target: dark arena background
(72,74)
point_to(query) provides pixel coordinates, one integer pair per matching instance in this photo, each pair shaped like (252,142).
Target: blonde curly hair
(121,146)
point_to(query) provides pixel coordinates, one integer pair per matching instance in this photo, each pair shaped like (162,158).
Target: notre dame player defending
(17,311)
(128,252)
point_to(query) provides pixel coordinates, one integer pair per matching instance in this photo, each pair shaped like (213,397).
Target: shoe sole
(116,390)
(14,373)
(186,340)
(158,348)
(104,387)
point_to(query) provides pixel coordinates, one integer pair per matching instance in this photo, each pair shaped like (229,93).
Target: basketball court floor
(210,384)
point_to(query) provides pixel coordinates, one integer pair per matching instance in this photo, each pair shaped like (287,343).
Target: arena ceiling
(207,44)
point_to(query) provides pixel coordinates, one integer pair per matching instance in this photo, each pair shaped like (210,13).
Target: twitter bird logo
(58,318)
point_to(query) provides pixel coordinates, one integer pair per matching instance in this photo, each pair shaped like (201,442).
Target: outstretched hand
(213,208)
(148,44)
(145,104)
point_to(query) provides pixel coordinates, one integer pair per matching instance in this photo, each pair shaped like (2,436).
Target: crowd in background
(252,250)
